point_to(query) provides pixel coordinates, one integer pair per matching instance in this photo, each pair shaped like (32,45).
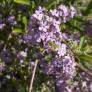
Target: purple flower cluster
(21,56)
(5,56)
(60,68)
(2,25)
(44,27)
(82,83)
(9,20)
(44,30)
(64,13)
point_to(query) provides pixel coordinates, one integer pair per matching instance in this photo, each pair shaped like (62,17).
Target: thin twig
(33,75)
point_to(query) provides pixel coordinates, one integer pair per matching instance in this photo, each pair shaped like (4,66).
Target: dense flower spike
(60,68)
(69,66)
(44,27)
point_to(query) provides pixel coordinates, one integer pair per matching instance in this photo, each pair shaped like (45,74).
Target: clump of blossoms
(10,20)
(44,31)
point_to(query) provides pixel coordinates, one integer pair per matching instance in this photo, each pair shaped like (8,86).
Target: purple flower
(2,67)
(21,56)
(69,66)
(63,10)
(54,13)
(39,13)
(2,25)
(11,20)
(72,11)
(5,56)
(61,49)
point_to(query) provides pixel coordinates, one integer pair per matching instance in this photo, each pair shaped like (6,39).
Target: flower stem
(33,75)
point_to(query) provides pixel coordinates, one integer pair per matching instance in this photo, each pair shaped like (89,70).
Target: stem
(84,69)
(33,75)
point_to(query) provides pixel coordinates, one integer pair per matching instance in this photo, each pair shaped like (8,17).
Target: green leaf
(21,88)
(17,30)
(33,4)
(50,4)
(24,20)
(81,43)
(26,2)
(72,25)
(88,9)
(87,58)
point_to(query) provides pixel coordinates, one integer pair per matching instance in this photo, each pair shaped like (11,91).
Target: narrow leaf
(25,2)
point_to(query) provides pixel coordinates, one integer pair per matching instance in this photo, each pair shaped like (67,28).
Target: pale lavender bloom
(72,11)
(22,53)
(43,26)
(2,26)
(21,56)
(64,10)
(61,49)
(11,20)
(55,22)
(69,66)
(59,82)
(68,89)
(65,36)
(2,67)
(32,63)
(90,86)
(39,14)
(38,40)
(49,19)
(54,13)
(43,36)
